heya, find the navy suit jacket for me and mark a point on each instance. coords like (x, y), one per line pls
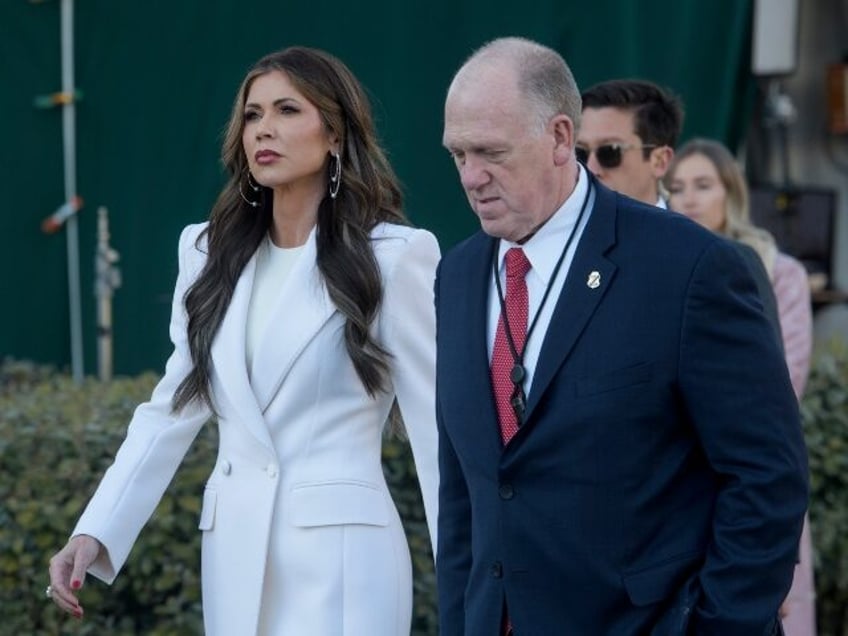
(659, 479)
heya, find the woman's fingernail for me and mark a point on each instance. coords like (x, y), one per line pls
(76, 584)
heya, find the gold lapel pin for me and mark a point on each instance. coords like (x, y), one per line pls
(594, 280)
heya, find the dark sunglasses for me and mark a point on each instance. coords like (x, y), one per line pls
(608, 155)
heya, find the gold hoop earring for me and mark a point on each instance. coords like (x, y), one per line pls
(335, 176)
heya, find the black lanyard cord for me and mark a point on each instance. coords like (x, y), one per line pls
(518, 373)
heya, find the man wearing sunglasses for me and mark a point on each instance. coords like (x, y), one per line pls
(627, 136)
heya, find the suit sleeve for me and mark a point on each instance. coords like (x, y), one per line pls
(156, 442)
(736, 389)
(411, 339)
(453, 565)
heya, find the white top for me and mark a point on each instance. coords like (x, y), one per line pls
(543, 251)
(273, 265)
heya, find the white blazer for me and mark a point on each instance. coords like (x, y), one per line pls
(300, 535)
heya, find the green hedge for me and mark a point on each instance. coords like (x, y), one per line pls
(56, 439)
(825, 413)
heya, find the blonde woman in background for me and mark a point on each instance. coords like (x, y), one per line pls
(706, 184)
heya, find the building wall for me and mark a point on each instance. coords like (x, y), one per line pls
(817, 157)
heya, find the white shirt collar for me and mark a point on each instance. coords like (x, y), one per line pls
(543, 249)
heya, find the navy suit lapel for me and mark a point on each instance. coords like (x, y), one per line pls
(467, 313)
(580, 296)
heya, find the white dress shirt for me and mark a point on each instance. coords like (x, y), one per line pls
(543, 250)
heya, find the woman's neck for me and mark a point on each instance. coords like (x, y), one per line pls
(295, 214)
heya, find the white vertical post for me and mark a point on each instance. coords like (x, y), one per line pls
(108, 279)
(69, 156)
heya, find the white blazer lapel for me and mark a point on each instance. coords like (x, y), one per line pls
(302, 308)
(230, 358)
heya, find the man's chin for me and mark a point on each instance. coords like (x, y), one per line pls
(490, 226)
(497, 228)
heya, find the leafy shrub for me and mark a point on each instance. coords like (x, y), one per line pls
(825, 415)
(56, 440)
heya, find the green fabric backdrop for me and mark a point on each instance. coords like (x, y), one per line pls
(159, 78)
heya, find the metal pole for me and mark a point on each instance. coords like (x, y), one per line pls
(69, 155)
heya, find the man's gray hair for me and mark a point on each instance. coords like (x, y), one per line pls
(544, 78)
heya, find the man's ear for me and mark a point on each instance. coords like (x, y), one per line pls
(563, 132)
(661, 160)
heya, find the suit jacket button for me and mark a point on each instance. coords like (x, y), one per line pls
(226, 467)
(505, 491)
(272, 471)
(497, 570)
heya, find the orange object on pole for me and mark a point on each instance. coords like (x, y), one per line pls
(65, 211)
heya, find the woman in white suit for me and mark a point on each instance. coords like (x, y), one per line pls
(303, 312)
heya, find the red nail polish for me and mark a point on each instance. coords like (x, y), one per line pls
(76, 584)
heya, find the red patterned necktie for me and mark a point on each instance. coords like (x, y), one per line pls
(503, 361)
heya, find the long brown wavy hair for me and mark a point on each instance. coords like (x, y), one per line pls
(369, 194)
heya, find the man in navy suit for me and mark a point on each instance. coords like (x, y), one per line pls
(631, 462)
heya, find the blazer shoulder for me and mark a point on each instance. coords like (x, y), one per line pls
(390, 240)
(192, 249)
(468, 251)
(668, 231)
(190, 234)
(397, 232)
(790, 267)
